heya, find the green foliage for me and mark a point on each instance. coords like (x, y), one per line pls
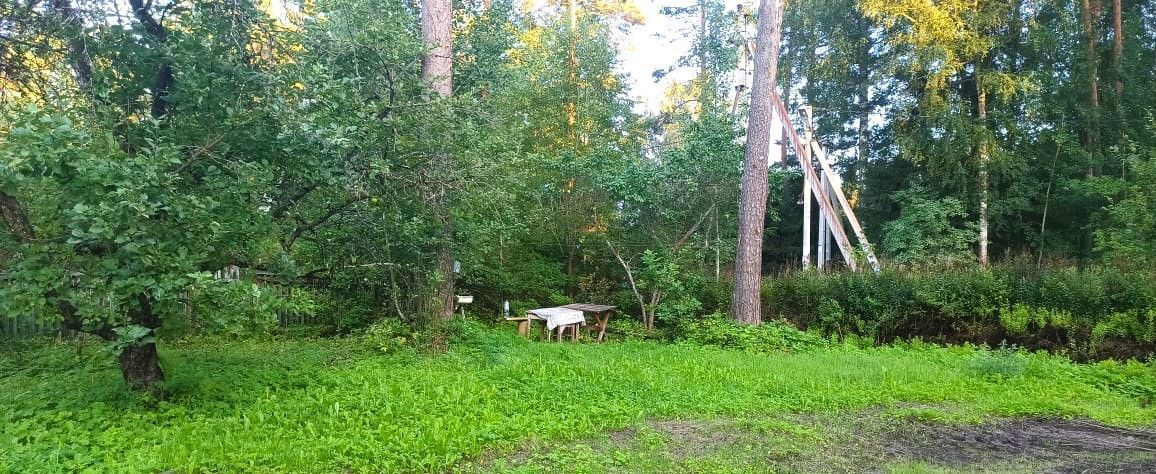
(1020, 319)
(927, 230)
(116, 216)
(236, 404)
(1132, 325)
(1126, 234)
(1055, 308)
(243, 308)
(633, 330)
(1001, 364)
(770, 337)
(389, 336)
(833, 320)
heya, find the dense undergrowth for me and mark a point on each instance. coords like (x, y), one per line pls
(340, 405)
(1093, 313)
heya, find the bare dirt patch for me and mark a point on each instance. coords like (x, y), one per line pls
(1036, 444)
(692, 438)
(874, 440)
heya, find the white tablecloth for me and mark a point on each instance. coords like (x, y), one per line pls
(559, 316)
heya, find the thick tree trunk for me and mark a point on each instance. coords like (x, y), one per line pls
(981, 101)
(141, 369)
(703, 73)
(437, 62)
(138, 363)
(571, 276)
(745, 306)
(437, 71)
(164, 81)
(572, 64)
(15, 218)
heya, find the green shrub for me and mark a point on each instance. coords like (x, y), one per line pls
(1069, 309)
(243, 307)
(1138, 326)
(673, 311)
(772, 336)
(927, 231)
(833, 320)
(1000, 364)
(389, 336)
(633, 330)
(346, 313)
(1020, 319)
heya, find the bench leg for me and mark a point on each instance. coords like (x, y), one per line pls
(524, 328)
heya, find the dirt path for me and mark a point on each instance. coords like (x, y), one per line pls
(871, 441)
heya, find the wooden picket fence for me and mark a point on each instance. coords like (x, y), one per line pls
(20, 328)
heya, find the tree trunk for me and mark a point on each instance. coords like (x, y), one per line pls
(863, 76)
(981, 102)
(437, 62)
(164, 81)
(78, 54)
(703, 73)
(445, 294)
(141, 369)
(1117, 49)
(1090, 13)
(572, 64)
(745, 306)
(15, 218)
(437, 71)
(571, 277)
(138, 362)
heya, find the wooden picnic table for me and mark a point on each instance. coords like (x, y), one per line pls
(600, 312)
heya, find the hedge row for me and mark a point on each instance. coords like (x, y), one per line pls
(1086, 313)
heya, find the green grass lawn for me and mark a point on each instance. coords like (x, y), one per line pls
(320, 405)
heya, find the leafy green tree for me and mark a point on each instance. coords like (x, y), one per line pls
(928, 231)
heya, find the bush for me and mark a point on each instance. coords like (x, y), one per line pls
(243, 307)
(633, 330)
(346, 312)
(771, 336)
(1000, 364)
(1075, 311)
(389, 336)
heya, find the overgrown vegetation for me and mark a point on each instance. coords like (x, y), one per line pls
(335, 405)
(145, 149)
(1095, 312)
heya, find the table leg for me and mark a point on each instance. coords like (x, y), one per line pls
(524, 328)
(603, 321)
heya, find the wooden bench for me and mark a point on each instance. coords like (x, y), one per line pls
(525, 323)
